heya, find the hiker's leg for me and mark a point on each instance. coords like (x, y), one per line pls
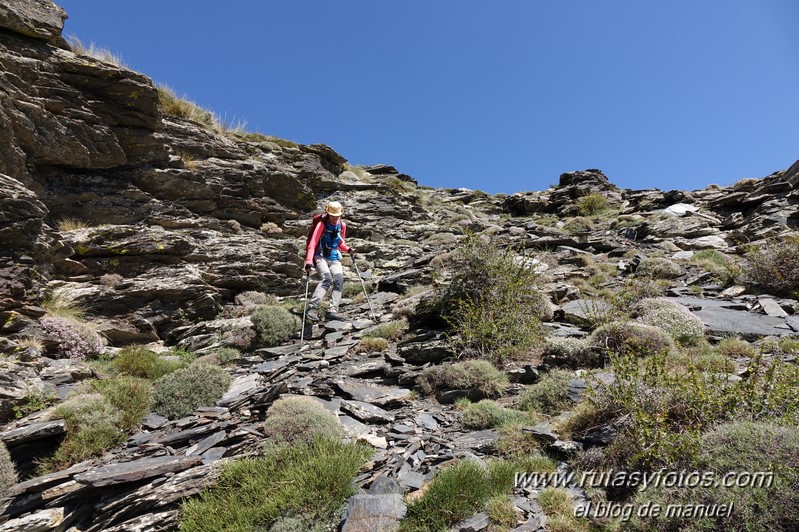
(337, 271)
(321, 288)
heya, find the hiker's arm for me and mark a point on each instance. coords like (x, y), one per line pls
(317, 234)
(343, 245)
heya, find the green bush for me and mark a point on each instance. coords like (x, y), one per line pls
(742, 446)
(8, 473)
(577, 352)
(631, 338)
(456, 493)
(550, 395)
(138, 361)
(493, 302)
(93, 426)
(774, 267)
(673, 318)
(180, 393)
(487, 414)
(477, 375)
(275, 324)
(658, 268)
(292, 419)
(309, 479)
(735, 348)
(591, 204)
(133, 396)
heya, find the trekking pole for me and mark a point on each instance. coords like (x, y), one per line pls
(372, 314)
(305, 308)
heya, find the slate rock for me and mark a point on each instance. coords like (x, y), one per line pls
(365, 511)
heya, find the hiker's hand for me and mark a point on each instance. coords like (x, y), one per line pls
(352, 252)
(308, 268)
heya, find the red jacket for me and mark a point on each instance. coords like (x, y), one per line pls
(317, 235)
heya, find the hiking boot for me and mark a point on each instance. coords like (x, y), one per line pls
(332, 315)
(311, 314)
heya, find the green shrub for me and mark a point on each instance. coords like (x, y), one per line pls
(631, 338)
(138, 361)
(487, 414)
(477, 375)
(392, 330)
(372, 345)
(8, 473)
(181, 107)
(577, 352)
(180, 393)
(724, 270)
(456, 493)
(133, 396)
(774, 267)
(578, 224)
(634, 290)
(673, 318)
(591, 204)
(292, 419)
(741, 446)
(658, 268)
(93, 426)
(493, 303)
(550, 395)
(735, 348)
(221, 356)
(309, 479)
(275, 324)
(556, 501)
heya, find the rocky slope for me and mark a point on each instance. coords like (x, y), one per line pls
(155, 224)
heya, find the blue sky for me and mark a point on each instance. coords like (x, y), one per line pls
(500, 96)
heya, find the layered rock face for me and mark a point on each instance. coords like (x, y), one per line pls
(156, 225)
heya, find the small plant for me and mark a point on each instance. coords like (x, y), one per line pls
(723, 268)
(8, 473)
(111, 279)
(138, 361)
(372, 345)
(72, 224)
(35, 401)
(308, 479)
(181, 107)
(59, 305)
(774, 267)
(293, 419)
(94, 51)
(673, 318)
(735, 348)
(390, 331)
(658, 268)
(487, 414)
(274, 324)
(479, 376)
(456, 493)
(132, 396)
(550, 395)
(591, 204)
(633, 338)
(75, 339)
(180, 393)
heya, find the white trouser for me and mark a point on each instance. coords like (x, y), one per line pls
(332, 273)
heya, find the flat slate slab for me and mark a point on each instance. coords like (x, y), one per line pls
(365, 511)
(372, 393)
(729, 317)
(137, 470)
(33, 432)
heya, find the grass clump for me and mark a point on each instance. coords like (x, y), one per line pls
(550, 395)
(772, 503)
(59, 305)
(293, 419)
(724, 269)
(309, 479)
(8, 473)
(493, 303)
(478, 376)
(487, 414)
(275, 324)
(658, 268)
(673, 318)
(132, 396)
(591, 204)
(457, 492)
(181, 107)
(181, 392)
(72, 224)
(735, 348)
(138, 361)
(372, 345)
(631, 338)
(774, 267)
(94, 51)
(392, 330)
(93, 425)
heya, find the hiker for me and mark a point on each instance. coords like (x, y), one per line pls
(323, 250)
